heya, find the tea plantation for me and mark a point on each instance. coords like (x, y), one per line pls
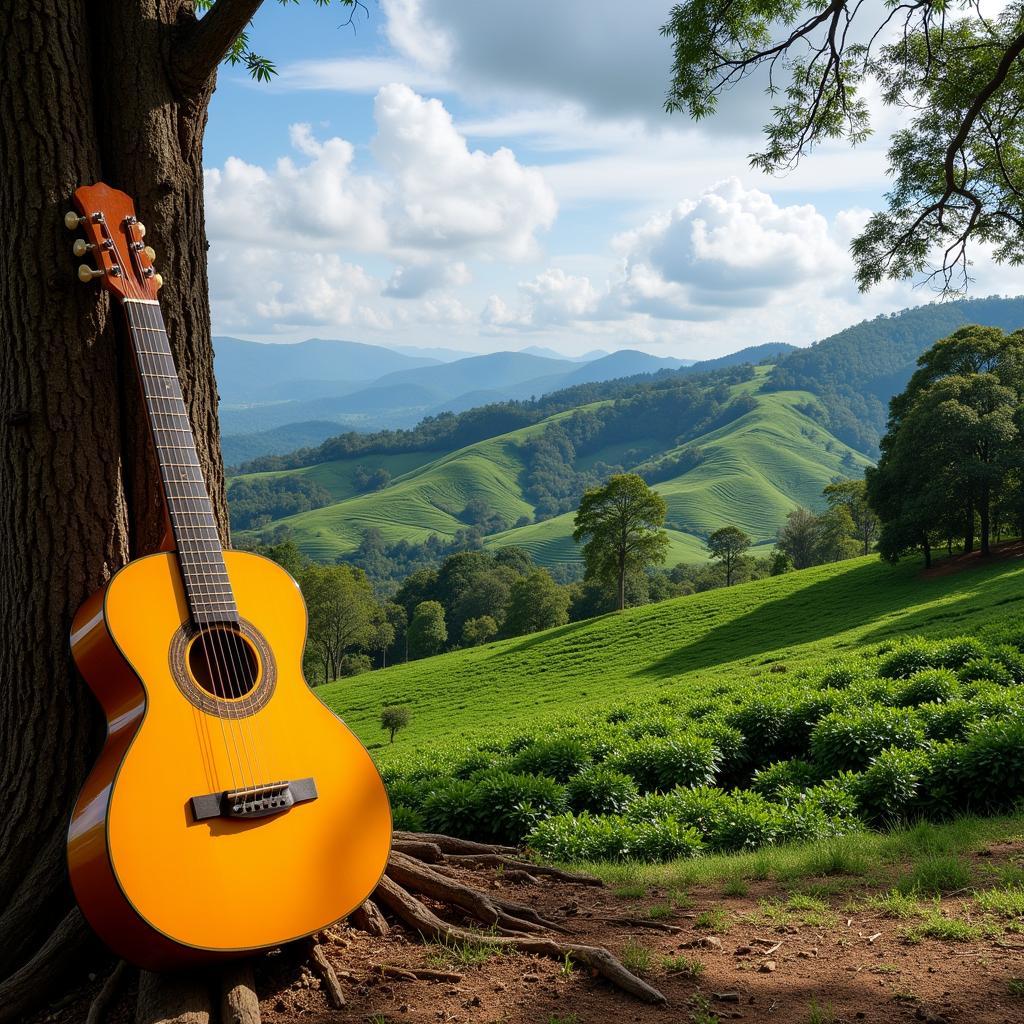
(794, 708)
(915, 728)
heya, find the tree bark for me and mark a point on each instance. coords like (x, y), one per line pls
(984, 513)
(84, 95)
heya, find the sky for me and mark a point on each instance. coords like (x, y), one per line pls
(486, 177)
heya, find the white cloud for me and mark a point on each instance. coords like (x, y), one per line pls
(262, 289)
(357, 75)
(731, 247)
(430, 193)
(447, 197)
(415, 280)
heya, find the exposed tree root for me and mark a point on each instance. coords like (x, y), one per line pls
(239, 1003)
(325, 969)
(183, 998)
(368, 918)
(417, 916)
(450, 844)
(106, 994)
(502, 860)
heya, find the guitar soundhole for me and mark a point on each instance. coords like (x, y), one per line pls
(223, 663)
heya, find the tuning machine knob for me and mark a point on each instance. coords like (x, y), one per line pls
(141, 228)
(158, 280)
(81, 247)
(72, 220)
(150, 253)
(87, 274)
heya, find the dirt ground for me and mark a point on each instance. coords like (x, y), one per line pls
(819, 957)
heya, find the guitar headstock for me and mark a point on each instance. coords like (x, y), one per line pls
(114, 239)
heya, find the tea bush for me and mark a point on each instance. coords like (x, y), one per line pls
(847, 741)
(655, 763)
(600, 789)
(915, 728)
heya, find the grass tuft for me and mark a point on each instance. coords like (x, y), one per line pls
(937, 873)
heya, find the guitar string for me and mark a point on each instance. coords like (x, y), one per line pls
(138, 353)
(235, 670)
(226, 678)
(148, 368)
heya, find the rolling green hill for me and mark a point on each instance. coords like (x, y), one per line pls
(725, 636)
(754, 470)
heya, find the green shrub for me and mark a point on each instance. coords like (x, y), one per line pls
(1012, 660)
(785, 775)
(771, 728)
(410, 794)
(931, 686)
(407, 819)
(473, 761)
(840, 674)
(836, 798)
(948, 721)
(568, 837)
(449, 808)
(560, 758)
(661, 764)
(732, 750)
(601, 790)
(986, 669)
(907, 657)
(506, 806)
(890, 789)
(847, 741)
(958, 650)
(991, 764)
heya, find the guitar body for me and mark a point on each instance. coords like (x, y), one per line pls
(165, 881)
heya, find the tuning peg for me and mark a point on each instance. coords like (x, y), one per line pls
(158, 280)
(87, 274)
(72, 220)
(141, 228)
(81, 247)
(150, 253)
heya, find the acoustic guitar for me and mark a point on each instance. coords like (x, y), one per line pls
(229, 810)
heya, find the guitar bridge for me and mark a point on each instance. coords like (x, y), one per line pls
(253, 801)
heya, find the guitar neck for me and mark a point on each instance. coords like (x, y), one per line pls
(193, 524)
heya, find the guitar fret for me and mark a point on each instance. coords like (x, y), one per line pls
(200, 555)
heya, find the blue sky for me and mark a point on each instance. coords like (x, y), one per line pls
(488, 177)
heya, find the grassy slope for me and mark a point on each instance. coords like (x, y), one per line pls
(796, 619)
(755, 470)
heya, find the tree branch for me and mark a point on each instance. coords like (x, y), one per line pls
(207, 41)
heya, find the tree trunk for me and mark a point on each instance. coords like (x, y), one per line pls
(622, 581)
(926, 547)
(969, 528)
(85, 94)
(985, 514)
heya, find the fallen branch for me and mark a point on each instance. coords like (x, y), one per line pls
(416, 973)
(327, 975)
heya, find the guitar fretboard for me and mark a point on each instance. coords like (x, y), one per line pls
(199, 550)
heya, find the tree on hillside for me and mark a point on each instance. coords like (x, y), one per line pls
(955, 74)
(621, 525)
(343, 614)
(728, 546)
(427, 631)
(952, 455)
(798, 538)
(393, 718)
(853, 496)
(478, 631)
(536, 602)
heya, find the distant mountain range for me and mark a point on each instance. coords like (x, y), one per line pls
(726, 441)
(272, 394)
